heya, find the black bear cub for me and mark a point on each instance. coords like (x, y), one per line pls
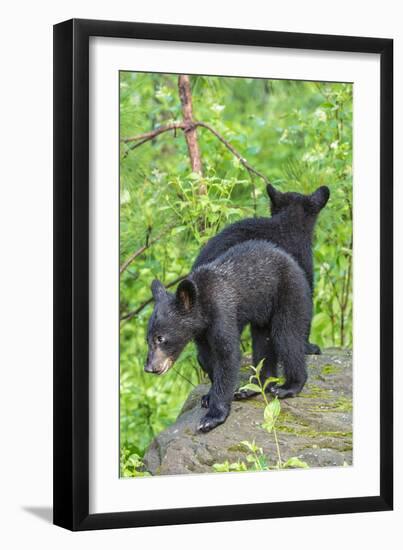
(290, 227)
(253, 282)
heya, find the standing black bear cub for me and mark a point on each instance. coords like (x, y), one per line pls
(253, 282)
(290, 227)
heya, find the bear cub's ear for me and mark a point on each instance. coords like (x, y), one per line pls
(319, 198)
(158, 290)
(186, 294)
(274, 195)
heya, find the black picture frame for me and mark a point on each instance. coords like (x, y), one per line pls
(71, 274)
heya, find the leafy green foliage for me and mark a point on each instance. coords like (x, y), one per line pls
(131, 465)
(297, 133)
(295, 462)
(230, 467)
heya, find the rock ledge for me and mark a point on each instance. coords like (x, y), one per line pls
(315, 426)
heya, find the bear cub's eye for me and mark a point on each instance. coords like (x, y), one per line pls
(160, 339)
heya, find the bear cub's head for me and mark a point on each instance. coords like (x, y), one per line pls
(172, 324)
(311, 204)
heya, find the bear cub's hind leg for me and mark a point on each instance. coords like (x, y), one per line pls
(291, 354)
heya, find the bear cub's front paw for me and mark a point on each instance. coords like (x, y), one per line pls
(213, 418)
(244, 394)
(208, 423)
(282, 392)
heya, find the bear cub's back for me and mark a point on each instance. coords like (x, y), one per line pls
(253, 273)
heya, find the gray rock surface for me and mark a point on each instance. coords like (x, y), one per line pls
(316, 426)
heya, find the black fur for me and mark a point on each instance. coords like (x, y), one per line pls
(253, 282)
(290, 227)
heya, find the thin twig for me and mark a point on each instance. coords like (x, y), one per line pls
(154, 133)
(348, 281)
(148, 136)
(230, 147)
(131, 258)
(345, 295)
(131, 314)
(184, 377)
(143, 248)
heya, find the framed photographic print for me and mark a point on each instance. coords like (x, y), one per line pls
(223, 320)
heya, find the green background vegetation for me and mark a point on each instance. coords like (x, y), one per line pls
(299, 134)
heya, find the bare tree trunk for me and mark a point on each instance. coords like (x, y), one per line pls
(185, 95)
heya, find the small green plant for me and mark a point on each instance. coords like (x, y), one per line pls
(230, 467)
(131, 465)
(256, 458)
(271, 413)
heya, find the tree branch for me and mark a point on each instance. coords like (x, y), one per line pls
(131, 314)
(131, 258)
(154, 133)
(143, 248)
(185, 95)
(148, 136)
(231, 148)
(143, 138)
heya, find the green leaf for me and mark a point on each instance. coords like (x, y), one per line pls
(263, 462)
(224, 467)
(251, 387)
(295, 462)
(237, 467)
(271, 412)
(259, 367)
